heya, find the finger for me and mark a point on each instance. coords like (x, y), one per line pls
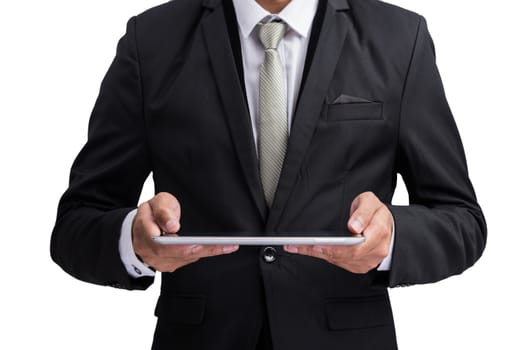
(171, 265)
(181, 252)
(293, 249)
(299, 249)
(318, 250)
(337, 253)
(166, 211)
(215, 250)
(349, 259)
(362, 210)
(354, 265)
(172, 259)
(312, 251)
(195, 251)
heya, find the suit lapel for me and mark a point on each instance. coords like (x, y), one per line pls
(324, 60)
(231, 94)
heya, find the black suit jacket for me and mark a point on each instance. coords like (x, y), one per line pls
(371, 106)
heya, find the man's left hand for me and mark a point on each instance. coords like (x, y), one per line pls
(368, 217)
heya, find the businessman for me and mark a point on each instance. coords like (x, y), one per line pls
(271, 116)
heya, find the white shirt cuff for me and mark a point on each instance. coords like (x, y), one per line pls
(386, 263)
(134, 267)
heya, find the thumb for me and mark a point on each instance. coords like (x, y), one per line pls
(166, 212)
(362, 210)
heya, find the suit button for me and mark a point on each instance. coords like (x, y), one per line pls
(270, 254)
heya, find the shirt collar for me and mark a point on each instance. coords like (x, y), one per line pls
(298, 15)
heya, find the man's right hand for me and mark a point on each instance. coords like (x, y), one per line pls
(161, 215)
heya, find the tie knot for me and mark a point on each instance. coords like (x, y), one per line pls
(271, 34)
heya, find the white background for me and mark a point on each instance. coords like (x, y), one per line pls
(53, 55)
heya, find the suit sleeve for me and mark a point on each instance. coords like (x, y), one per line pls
(442, 232)
(106, 178)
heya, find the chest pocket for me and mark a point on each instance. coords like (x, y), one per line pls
(355, 111)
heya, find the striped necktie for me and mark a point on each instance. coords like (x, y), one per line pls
(273, 121)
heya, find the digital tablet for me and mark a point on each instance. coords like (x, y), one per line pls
(258, 240)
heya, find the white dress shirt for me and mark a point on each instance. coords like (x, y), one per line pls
(298, 15)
